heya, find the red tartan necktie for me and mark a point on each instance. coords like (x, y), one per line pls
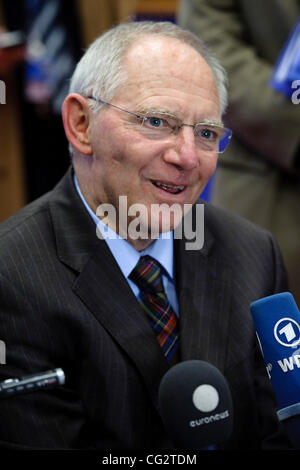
(148, 277)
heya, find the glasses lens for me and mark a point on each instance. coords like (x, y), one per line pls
(208, 136)
(158, 126)
(224, 141)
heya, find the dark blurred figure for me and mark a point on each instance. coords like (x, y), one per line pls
(58, 37)
(57, 31)
(259, 175)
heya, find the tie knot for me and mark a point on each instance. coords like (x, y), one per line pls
(147, 275)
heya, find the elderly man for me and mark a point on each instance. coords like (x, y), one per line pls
(90, 288)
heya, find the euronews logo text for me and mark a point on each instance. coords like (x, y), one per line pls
(209, 419)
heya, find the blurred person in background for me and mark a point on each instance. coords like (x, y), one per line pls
(259, 175)
(12, 188)
(34, 152)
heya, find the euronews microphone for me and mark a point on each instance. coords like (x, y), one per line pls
(196, 405)
(277, 323)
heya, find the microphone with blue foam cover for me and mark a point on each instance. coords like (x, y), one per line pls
(277, 323)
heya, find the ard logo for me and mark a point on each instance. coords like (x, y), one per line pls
(2, 92)
(287, 332)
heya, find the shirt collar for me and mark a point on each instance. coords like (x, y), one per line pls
(124, 253)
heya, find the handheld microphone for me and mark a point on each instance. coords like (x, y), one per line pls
(277, 322)
(196, 405)
(31, 383)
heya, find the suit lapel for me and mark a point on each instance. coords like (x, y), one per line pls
(204, 290)
(104, 290)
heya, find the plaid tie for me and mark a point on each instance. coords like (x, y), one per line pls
(148, 277)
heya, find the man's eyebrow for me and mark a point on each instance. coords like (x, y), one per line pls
(156, 110)
(213, 122)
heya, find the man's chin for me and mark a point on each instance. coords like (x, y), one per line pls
(153, 228)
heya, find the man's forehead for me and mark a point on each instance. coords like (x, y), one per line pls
(158, 58)
(160, 68)
(162, 50)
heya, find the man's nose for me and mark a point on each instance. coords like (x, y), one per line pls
(184, 153)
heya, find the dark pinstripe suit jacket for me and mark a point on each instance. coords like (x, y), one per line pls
(64, 303)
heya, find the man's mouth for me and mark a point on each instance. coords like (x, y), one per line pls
(169, 188)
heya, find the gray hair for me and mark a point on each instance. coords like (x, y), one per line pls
(100, 72)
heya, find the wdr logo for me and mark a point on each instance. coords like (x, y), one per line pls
(287, 332)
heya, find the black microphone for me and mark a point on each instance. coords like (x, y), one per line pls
(196, 405)
(31, 383)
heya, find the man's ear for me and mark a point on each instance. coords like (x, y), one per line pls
(75, 114)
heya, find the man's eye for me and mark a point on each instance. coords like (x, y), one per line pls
(207, 134)
(155, 122)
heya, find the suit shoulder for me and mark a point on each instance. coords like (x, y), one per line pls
(244, 244)
(28, 222)
(231, 223)
(236, 236)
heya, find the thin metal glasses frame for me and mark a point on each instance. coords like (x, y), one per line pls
(223, 142)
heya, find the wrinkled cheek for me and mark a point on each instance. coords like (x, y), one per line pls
(208, 168)
(205, 173)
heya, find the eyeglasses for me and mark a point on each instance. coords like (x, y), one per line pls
(209, 136)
